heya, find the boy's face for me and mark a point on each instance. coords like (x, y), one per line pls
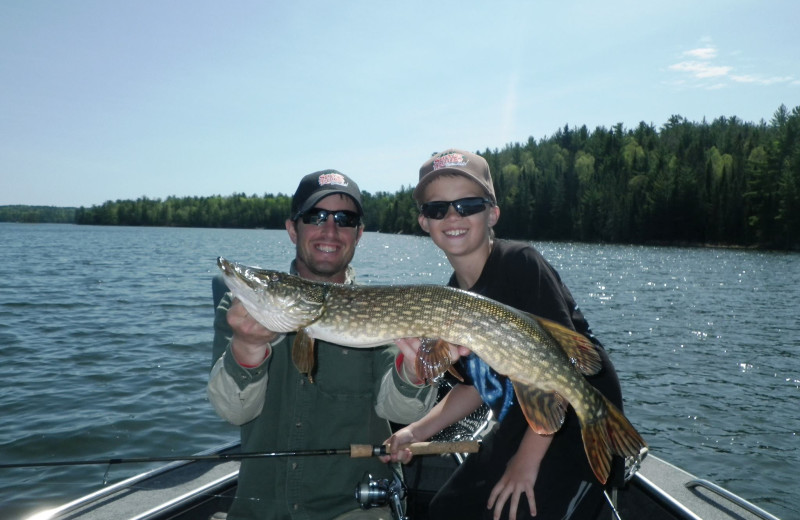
(455, 234)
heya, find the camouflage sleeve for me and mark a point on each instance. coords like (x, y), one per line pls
(235, 392)
(222, 331)
(399, 400)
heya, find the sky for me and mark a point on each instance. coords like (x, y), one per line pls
(110, 100)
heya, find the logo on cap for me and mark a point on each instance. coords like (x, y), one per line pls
(448, 161)
(332, 178)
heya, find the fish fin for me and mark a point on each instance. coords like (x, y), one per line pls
(611, 434)
(453, 372)
(580, 350)
(544, 411)
(304, 354)
(433, 358)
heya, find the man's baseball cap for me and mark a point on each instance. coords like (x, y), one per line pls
(318, 185)
(455, 162)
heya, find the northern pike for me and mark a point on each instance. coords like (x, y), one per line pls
(545, 361)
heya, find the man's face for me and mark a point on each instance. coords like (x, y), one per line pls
(324, 251)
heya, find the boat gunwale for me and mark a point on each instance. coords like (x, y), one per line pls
(122, 485)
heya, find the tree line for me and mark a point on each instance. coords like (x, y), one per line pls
(727, 182)
(234, 211)
(37, 214)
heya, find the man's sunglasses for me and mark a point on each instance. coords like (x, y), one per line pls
(464, 207)
(343, 218)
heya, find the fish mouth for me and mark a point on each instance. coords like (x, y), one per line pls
(234, 273)
(231, 269)
(224, 266)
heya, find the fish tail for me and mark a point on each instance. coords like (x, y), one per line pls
(610, 435)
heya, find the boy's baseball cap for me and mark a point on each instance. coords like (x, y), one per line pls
(455, 162)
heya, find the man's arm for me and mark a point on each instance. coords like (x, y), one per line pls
(236, 393)
(402, 398)
(235, 388)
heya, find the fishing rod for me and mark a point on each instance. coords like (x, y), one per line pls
(355, 451)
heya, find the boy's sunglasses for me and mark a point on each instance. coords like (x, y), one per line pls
(343, 218)
(464, 207)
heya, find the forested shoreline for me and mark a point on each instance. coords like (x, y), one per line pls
(727, 182)
(37, 214)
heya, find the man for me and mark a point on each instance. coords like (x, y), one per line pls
(354, 391)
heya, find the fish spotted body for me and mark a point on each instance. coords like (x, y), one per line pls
(546, 362)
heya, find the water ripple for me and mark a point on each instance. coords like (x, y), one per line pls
(106, 348)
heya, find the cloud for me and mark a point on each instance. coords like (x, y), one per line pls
(701, 69)
(704, 53)
(762, 81)
(510, 106)
(700, 65)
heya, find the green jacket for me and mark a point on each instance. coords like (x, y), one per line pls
(338, 409)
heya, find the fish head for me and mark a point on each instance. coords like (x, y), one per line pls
(278, 301)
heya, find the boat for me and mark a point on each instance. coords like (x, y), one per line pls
(197, 489)
(205, 484)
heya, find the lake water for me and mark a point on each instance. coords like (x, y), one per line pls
(105, 339)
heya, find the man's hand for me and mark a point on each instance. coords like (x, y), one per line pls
(408, 347)
(251, 340)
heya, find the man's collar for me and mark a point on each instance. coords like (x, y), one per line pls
(349, 273)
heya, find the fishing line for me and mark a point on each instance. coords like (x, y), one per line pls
(611, 504)
(355, 451)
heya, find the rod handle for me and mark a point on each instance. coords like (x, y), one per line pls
(417, 448)
(438, 448)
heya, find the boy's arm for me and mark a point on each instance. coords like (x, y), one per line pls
(459, 402)
(520, 475)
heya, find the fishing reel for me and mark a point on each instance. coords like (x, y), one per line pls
(371, 492)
